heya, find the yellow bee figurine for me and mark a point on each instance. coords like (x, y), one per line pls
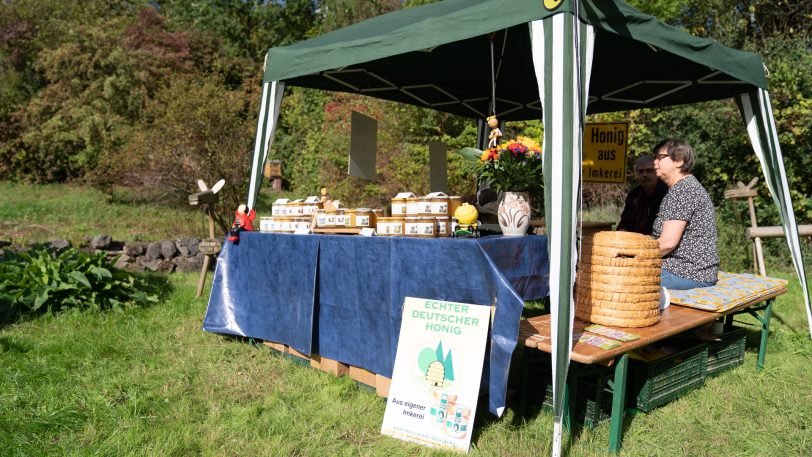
(466, 223)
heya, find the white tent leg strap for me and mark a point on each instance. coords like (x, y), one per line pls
(272, 94)
(558, 433)
(554, 41)
(758, 117)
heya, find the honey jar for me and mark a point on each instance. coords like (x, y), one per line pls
(420, 226)
(412, 206)
(294, 209)
(338, 217)
(302, 223)
(363, 218)
(443, 226)
(439, 206)
(390, 226)
(321, 218)
(398, 206)
(279, 209)
(309, 208)
(454, 202)
(424, 206)
(265, 223)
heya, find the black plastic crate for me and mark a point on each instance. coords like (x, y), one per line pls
(595, 406)
(593, 401)
(659, 381)
(727, 353)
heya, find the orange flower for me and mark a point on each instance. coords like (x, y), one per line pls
(489, 155)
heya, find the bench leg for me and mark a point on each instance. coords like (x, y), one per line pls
(765, 331)
(618, 403)
(570, 393)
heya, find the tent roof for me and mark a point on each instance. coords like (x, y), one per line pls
(438, 56)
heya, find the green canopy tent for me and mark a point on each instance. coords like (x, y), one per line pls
(556, 58)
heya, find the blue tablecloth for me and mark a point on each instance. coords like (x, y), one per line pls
(342, 296)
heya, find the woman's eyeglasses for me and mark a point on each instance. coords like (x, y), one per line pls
(661, 156)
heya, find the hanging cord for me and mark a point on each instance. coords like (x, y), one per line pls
(493, 78)
(501, 53)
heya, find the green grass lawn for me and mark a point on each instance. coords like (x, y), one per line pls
(150, 382)
(39, 213)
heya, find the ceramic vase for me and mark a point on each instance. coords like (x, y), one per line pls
(514, 213)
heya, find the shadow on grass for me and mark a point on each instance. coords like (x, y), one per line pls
(535, 308)
(255, 342)
(9, 345)
(589, 407)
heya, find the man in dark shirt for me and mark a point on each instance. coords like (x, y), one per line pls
(643, 202)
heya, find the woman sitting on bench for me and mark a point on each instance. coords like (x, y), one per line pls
(686, 224)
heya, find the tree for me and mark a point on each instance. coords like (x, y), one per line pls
(335, 14)
(249, 27)
(96, 86)
(206, 133)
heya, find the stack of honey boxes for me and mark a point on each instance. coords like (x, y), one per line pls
(290, 215)
(424, 217)
(345, 218)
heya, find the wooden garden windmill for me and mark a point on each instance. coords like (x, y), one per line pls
(211, 246)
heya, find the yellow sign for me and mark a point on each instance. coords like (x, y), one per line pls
(605, 152)
(552, 4)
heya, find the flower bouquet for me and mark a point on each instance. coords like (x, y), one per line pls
(513, 168)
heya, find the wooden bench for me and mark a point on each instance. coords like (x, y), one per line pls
(735, 294)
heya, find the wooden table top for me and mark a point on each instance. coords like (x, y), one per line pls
(535, 332)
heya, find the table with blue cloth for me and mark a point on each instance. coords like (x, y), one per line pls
(342, 296)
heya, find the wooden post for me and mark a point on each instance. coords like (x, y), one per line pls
(742, 191)
(207, 258)
(273, 172)
(775, 231)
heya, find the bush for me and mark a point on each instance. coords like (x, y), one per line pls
(207, 133)
(44, 280)
(735, 251)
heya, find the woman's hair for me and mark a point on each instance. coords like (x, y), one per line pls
(677, 150)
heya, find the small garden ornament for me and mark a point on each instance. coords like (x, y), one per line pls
(209, 247)
(495, 134)
(243, 221)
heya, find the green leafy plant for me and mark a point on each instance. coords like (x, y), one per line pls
(41, 279)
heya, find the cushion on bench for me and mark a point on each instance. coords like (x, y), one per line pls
(732, 290)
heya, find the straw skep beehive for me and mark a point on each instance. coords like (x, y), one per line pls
(618, 280)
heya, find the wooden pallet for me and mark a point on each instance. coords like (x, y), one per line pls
(336, 368)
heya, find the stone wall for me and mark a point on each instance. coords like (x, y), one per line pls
(165, 256)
